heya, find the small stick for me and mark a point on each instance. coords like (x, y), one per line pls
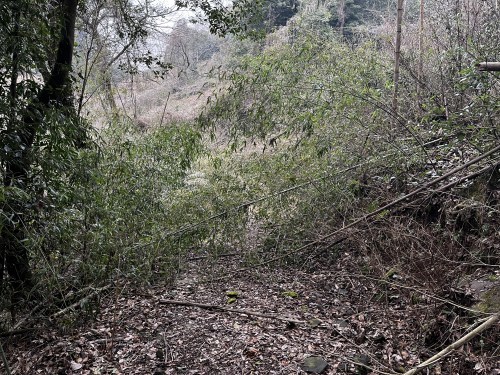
(226, 309)
(108, 339)
(164, 109)
(215, 256)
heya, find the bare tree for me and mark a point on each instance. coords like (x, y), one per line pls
(111, 30)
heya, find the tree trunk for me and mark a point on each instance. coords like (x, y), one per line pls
(56, 92)
(420, 83)
(14, 74)
(341, 15)
(397, 56)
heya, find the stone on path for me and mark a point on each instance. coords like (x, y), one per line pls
(315, 322)
(315, 365)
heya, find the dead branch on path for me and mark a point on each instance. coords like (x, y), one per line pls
(457, 344)
(226, 309)
(201, 257)
(18, 332)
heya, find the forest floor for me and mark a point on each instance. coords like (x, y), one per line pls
(343, 317)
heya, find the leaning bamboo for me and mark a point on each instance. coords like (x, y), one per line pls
(489, 66)
(457, 344)
(378, 211)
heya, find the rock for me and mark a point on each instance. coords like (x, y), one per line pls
(315, 322)
(490, 300)
(160, 356)
(341, 323)
(363, 361)
(314, 365)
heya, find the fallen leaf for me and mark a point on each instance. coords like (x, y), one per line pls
(75, 366)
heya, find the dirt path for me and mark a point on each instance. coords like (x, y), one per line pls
(346, 319)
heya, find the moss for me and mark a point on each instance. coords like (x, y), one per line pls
(290, 293)
(490, 301)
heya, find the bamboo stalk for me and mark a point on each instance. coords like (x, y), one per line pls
(4, 359)
(488, 66)
(457, 344)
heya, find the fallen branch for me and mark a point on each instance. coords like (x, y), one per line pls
(457, 344)
(215, 256)
(18, 332)
(227, 309)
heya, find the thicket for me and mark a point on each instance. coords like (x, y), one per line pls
(319, 146)
(313, 145)
(52, 241)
